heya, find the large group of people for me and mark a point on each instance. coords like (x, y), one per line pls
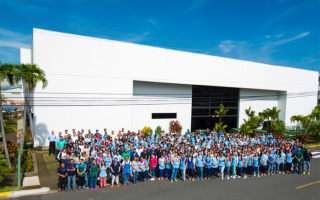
(93, 158)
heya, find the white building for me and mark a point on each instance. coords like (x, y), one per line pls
(98, 83)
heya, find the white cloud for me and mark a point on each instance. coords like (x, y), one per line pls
(229, 45)
(14, 39)
(268, 36)
(279, 35)
(283, 41)
(138, 39)
(152, 22)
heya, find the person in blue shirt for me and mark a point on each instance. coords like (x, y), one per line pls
(115, 170)
(52, 143)
(62, 173)
(271, 162)
(71, 168)
(220, 133)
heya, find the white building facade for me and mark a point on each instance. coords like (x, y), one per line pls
(97, 83)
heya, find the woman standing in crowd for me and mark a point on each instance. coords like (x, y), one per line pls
(271, 161)
(146, 168)
(81, 174)
(234, 162)
(183, 166)
(168, 166)
(222, 161)
(175, 167)
(153, 165)
(289, 159)
(93, 175)
(263, 163)
(161, 162)
(103, 175)
(142, 165)
(207, 166)
(115, 170)
(200, 165)
(191, 167)
(135, 170)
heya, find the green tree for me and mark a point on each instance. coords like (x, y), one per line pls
(278, 126)
(250, 113)
(221, 112)
(8, 126)
(273, 113)
(265, 115)
(246, 129)
(220, 126)
(31, 75)
(315, 129)
(315, 114)
(6, 74)
(158, 130)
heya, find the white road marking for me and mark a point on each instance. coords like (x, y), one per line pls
(317, 156)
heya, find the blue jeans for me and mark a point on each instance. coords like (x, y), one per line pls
(227, 170)
(135, 177)
(213, 171)
(174, 173)
(256, 170)
(93, 182)
(306, 164)
(146, 175)
(277, 168)
(125, 177)
(200, 172)
(271, 168)
(221, 168)
(153, 172)
(207, 172)
(87, 178)
(108, 172)
(295, 167)
(168, 173)
(161, 173)
(239, 171)
(72, 181)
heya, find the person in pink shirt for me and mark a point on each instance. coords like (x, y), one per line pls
(153, 164)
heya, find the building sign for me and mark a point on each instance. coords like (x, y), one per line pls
(20, 135)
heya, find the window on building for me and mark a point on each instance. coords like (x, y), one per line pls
(164, 115)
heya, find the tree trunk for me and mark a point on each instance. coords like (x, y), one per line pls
(219, 118)
(3, 132)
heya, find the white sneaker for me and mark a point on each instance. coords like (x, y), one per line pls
(258, 175)
(239, 176)
(233, 177)
(152, 179)
(254, 174)
(228, 177)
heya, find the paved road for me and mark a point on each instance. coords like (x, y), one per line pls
(269, 187)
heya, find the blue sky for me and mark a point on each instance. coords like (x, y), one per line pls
(277, 32)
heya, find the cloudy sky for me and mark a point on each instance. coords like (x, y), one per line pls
(277, 32)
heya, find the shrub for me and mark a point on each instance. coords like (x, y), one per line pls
(158, 130)
(12, 150)
(175, 126)
(28, 159)
(146, 130)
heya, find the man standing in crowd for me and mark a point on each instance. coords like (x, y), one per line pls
(52, 143)
(298, 156)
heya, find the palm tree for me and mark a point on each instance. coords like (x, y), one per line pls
(6, 73)
(265, 115)
(221, 111)
(273, 113)
(8, 128)
(316, 113)
(220, 126)
(250, 113)
(315, 129)
(31, 75)
(245, 128)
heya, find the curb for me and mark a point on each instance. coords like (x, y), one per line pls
(27, 192)
(5, 194)
(314, 146)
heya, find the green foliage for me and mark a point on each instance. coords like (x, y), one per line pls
(3, 98)
(220, 126)
(273, 113)
(175, 126)
(250, 113)
(12, 150)
(26, 155)
(278, 126)
(246, 129)
(158, 130)
(146, 130)
(9, 126)
(315, 129)
(221, 112)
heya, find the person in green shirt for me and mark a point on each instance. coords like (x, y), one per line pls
(82, 167)
(59, 145)
(303, 150)
(125, 154)
(298, 156)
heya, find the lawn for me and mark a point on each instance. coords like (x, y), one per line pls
(8, 189)
(51, 162)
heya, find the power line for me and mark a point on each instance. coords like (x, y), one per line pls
(125, 34)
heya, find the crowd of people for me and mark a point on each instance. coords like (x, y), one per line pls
(93, 158)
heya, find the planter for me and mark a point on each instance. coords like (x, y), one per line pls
(25, 174)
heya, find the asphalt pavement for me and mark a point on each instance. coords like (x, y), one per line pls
(269, 187)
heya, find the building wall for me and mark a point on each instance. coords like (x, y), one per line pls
(79, 64)
(161, 98)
